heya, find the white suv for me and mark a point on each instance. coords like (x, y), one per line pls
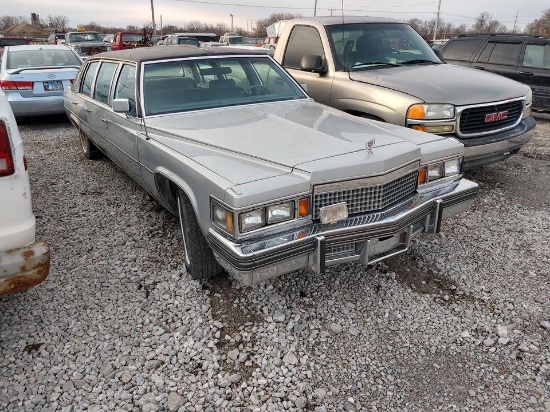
(23, 262)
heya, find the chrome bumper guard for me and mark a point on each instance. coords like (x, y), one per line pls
(366, 238)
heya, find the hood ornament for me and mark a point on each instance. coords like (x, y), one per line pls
(370, 144)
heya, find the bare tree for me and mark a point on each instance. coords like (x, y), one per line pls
(262, 24)
(57, 22)
(485, 24)
(8, 21)
(540, 26)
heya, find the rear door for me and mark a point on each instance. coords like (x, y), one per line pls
(500, 56)
(461, 51)
(534, 70)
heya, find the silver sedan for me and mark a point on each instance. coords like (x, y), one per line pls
(33, 77)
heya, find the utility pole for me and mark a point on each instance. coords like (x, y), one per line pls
(437, 19)
(515, 21)
(161, 24)
(231, 22)
(153, 17)
(314, 9)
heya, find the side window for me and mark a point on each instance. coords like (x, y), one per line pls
(461, 49)
(103, 82)
(505, 53)
(88, 79)
(303, 40)
(537, 55)
(126, 87)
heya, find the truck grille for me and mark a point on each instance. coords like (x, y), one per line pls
(368, 194)
(483, 119)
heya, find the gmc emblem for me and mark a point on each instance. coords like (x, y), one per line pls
(494, 117)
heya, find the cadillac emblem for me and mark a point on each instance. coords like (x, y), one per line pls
(370, 144)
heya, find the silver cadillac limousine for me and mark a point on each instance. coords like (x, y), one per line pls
(264, 180)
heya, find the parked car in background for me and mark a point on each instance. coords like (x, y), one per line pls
(23, 261)
(129, 40)
(33, 77)
(178, 40)
(56, 38)
(263, 179)
(86, 43)
(520, 57)
(382, 69)
(13, 41)
(109, 38)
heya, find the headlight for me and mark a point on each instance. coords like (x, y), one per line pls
(439, 170)
(252, 219)
(431, 111)
(280, 213)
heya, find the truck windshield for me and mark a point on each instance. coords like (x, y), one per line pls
(357, 45)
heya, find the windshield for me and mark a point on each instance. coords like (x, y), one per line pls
(188, 40)
(196, 84)
(236, 40)
(41, 58)
(84, 37)
(132, 37)
(376, 44)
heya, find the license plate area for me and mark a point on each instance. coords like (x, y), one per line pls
(53, 85)
(333, 213)
(381, 248)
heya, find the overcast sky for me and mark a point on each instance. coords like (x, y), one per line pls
(246, 12)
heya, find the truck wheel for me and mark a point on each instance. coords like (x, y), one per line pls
(89, 149)
(199, 258)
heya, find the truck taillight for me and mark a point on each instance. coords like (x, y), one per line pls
(15, 85)
(6, 158)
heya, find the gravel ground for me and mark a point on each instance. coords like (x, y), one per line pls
(461, 322)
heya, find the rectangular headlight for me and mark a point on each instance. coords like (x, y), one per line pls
(435, 171)
(252, 219)
(452, 167)
(280, 213)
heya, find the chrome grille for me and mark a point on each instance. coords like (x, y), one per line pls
(366, 195)
(473, 120)
(345, 248)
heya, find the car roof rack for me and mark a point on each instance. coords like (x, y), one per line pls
(502, 34)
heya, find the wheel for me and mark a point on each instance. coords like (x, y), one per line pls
(89, 149)
(261, 90)
(199, 258)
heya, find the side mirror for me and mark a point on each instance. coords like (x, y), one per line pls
(121, 105)
(313, 63)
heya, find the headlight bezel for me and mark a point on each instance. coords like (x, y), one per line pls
(430, 111)
(440, 171)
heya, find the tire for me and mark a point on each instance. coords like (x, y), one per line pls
(89, 149)
(199, 258)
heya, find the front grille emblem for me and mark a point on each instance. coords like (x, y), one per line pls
(495, 117)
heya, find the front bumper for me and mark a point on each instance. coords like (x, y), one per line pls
(480, 151)
(366, 238)
(23, 267)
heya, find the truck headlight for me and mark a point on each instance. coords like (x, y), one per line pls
(431, 111)
(438, 170)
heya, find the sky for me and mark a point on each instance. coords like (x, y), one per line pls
(245, 12)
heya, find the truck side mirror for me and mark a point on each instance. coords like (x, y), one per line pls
(313, 63)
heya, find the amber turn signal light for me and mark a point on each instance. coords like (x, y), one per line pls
(303, 207)
(422, 176)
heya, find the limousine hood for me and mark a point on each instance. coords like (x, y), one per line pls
(443, 83)
(279, 138)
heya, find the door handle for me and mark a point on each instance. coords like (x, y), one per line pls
(106, 120)
(87, 110)
(74, 102)
(527, 73)
(479, 67)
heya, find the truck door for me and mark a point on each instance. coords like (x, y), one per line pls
(534, 70)
(304, 40)
(500, 56)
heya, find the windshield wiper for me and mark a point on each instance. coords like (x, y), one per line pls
(419, 61)
(373, 63)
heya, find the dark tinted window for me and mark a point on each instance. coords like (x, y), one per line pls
(461, 49)
(103, 82)
(303, 40)
(505, 53)
(537, 55)
(88, 79)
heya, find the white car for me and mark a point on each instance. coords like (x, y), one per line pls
(23, 261)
